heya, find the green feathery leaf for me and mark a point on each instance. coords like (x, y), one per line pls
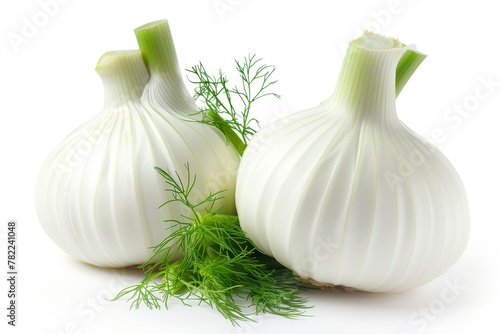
(218, 266)
(228, 109)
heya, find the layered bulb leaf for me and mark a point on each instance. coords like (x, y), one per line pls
(345, 193)
(98, 195)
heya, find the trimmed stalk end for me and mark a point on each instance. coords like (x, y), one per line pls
(114, 58)
(408, 63)
(157, 46)
(373, 41)
(152, 25)
(124, 75)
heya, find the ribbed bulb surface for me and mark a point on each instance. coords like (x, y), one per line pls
(346, 194)
(98, 195)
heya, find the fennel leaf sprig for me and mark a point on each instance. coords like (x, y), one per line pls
(228, 108)
(218, 264)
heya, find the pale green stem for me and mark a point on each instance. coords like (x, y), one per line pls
(375, 70)
(167, 86)
(157, 46)
(407, 65)
(124, 76)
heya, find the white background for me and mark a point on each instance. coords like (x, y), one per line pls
(49, 87)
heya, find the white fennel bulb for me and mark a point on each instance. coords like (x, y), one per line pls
(98, 194)
(345, 193)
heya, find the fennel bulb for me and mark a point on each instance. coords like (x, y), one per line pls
(98, 194)
(219, 266)
(345, 193)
